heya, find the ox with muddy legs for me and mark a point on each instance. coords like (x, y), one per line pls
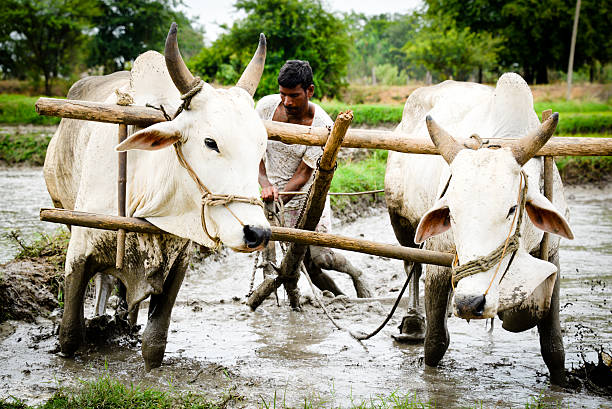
(484, 204)
(194, 177)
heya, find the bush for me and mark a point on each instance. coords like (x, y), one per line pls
(388, 74)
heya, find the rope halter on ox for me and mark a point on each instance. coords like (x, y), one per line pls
(208, 198)
(510, 245)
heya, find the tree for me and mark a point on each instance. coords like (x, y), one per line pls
(450, 52)
(295, 29)
(537, 34)
(127, 28)
(43, 36)
(378, 41)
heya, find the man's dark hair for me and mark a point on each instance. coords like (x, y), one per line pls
(294, 73)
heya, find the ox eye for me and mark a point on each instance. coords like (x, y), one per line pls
(211, 144)
(511, 211)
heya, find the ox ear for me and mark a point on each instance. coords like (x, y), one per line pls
(546, 217)
(157, 136)
(434, 222)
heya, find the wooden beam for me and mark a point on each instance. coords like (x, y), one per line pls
(137, 225)
(121, 195)
(549, 162)
(289, 271)
(314, 136)
(100, 112)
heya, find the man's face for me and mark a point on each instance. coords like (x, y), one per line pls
(295, 100)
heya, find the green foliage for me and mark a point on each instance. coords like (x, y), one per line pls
(537, 34)
(387, 74)
(294, 29)
(24, 148)
(127, 28)
(378, 40)
(19, 109)
(448, 51)
(44, 36)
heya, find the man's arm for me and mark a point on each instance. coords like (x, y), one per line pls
(300, 177)
(269, 192)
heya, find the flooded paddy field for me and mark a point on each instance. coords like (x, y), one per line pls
(217, 344)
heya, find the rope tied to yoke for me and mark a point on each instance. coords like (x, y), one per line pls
(510, 245)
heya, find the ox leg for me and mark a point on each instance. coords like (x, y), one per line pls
(413, 327)
(551, 340)
(325, 258)
(72, 329)
(318, 277)
(437, 292)
(104, 287)
(160, 309)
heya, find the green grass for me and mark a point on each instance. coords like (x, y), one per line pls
(358, 176)
(19, 109)
(578, 122)
(364, 114)
(27, 148)
(575, 117)
(572, 106)
(108, 393)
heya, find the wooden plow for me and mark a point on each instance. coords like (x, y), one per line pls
(299, 238)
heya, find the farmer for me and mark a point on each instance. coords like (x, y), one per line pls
(289, 168)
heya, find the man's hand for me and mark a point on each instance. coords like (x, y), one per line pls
(269, 193)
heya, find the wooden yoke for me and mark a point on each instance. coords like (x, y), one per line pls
(549, 162)
(289, 270)
(121, 193)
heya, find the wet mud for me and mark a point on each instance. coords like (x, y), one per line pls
(216, 344)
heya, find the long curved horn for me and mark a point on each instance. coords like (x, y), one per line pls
(530, 144)
(182, 78)
(252, 73)
(446, 144)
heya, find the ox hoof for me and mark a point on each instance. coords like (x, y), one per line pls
(412, 328)
(153, 357)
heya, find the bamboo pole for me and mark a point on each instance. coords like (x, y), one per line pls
(137, 225)
(289, 271)
(549, 162)
(313, 136)
(121, 193)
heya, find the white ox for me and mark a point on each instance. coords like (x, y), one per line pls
(469, 200)
(221, 138)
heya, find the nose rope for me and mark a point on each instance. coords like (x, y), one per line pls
(510, 245)
(209, 199)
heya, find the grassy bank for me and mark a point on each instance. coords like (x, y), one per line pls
(27, 149)
(19, 109)
(108, 393)
(575, 117)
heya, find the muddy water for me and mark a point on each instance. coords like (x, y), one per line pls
(216, 343)
(22, 194)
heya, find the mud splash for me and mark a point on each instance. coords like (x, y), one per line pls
(216, 343)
